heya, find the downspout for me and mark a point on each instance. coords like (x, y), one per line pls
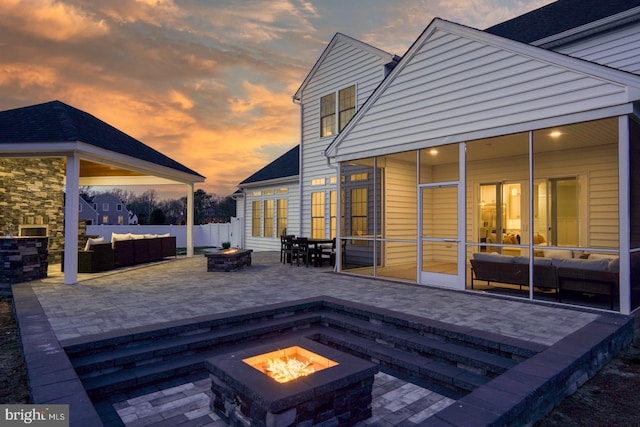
(297, 100)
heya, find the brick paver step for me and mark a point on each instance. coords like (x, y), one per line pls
(408, 362)
(168, 346)
(473, 357)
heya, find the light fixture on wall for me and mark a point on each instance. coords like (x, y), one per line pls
(433, 152)
(555, 134)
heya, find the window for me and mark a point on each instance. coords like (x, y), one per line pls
(328, 115)
(282, 205)
(120, 220)
(105, 219)
(333, 209)
(95, 206)
(359, 211)
(119, 207)
(346, 108)
(268, 218)
(317, 215)
(255, 219)
(268, 192)
(105, 207)
(317, 181)
(282, 190)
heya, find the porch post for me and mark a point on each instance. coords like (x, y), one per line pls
(71, 217)
(624, 213)
(190, 209)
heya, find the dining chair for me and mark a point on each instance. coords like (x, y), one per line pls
(286, 249)
(302, 251)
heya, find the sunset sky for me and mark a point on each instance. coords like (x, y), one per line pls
(206, 82)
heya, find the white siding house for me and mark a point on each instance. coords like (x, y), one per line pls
(479, 143)
(269, 203)
(345, 63)
(522, 139)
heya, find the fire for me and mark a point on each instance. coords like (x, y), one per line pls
(289, 364)
(287, 370)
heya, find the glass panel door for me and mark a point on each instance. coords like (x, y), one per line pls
(439, 241)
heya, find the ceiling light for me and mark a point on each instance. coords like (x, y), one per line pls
(555, 134)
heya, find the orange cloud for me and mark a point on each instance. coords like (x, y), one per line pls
(50, 19)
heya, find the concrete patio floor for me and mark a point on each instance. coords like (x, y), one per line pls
(182, 289)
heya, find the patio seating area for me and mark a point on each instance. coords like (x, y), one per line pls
(306, 251)
(144, 299)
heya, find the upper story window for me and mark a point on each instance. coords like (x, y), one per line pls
(118, 207)
(105, 207)
(336, 109)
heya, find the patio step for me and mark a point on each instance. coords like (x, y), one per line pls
(457, 359)
(409, 363)
(411, 341)
(182, 342)
(112, 368)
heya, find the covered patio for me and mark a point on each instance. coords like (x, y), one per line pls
(50, 150)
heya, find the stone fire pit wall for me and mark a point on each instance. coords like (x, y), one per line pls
(244, 396)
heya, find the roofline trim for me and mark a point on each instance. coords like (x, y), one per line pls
(93, 153)
(600, 25)
(339, 37)
(612, 76)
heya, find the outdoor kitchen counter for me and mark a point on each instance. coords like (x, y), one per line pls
(23, 259)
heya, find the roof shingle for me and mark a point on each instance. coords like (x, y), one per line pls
(56, 121)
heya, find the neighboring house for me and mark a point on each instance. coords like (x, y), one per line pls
(87, 213)
(522, 139)
(111, 210)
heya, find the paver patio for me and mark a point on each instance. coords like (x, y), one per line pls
(182, 289)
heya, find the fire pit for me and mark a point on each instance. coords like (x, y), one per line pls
(228, 259)
(292, 382)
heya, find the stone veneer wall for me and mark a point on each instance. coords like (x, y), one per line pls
(31, 192)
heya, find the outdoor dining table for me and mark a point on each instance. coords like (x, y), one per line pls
(316, 243)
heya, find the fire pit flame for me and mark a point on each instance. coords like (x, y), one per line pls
(285, 371)
(289, 364)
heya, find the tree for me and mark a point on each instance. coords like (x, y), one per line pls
(157, 217)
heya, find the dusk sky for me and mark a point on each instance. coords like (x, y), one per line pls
(206, 82)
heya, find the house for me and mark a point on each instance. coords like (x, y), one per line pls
(87, 212)
(339, 83)
(111, 210)
(522, 139)
(49, 150)
(270, 201)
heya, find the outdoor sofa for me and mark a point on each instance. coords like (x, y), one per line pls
(124, 250)
(560, 270)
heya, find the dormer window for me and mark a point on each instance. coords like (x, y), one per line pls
(344, 103)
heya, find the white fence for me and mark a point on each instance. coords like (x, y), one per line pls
(203, 235)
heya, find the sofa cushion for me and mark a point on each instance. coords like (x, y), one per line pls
(93, 241)
(557, 253)
(536, 260)
(493, 257)
(608, 257)
(581, 264)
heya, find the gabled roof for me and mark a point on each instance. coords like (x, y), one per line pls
(287, 165)
(559, 17)
(339, 37)
(617, 89)
(57, 122)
